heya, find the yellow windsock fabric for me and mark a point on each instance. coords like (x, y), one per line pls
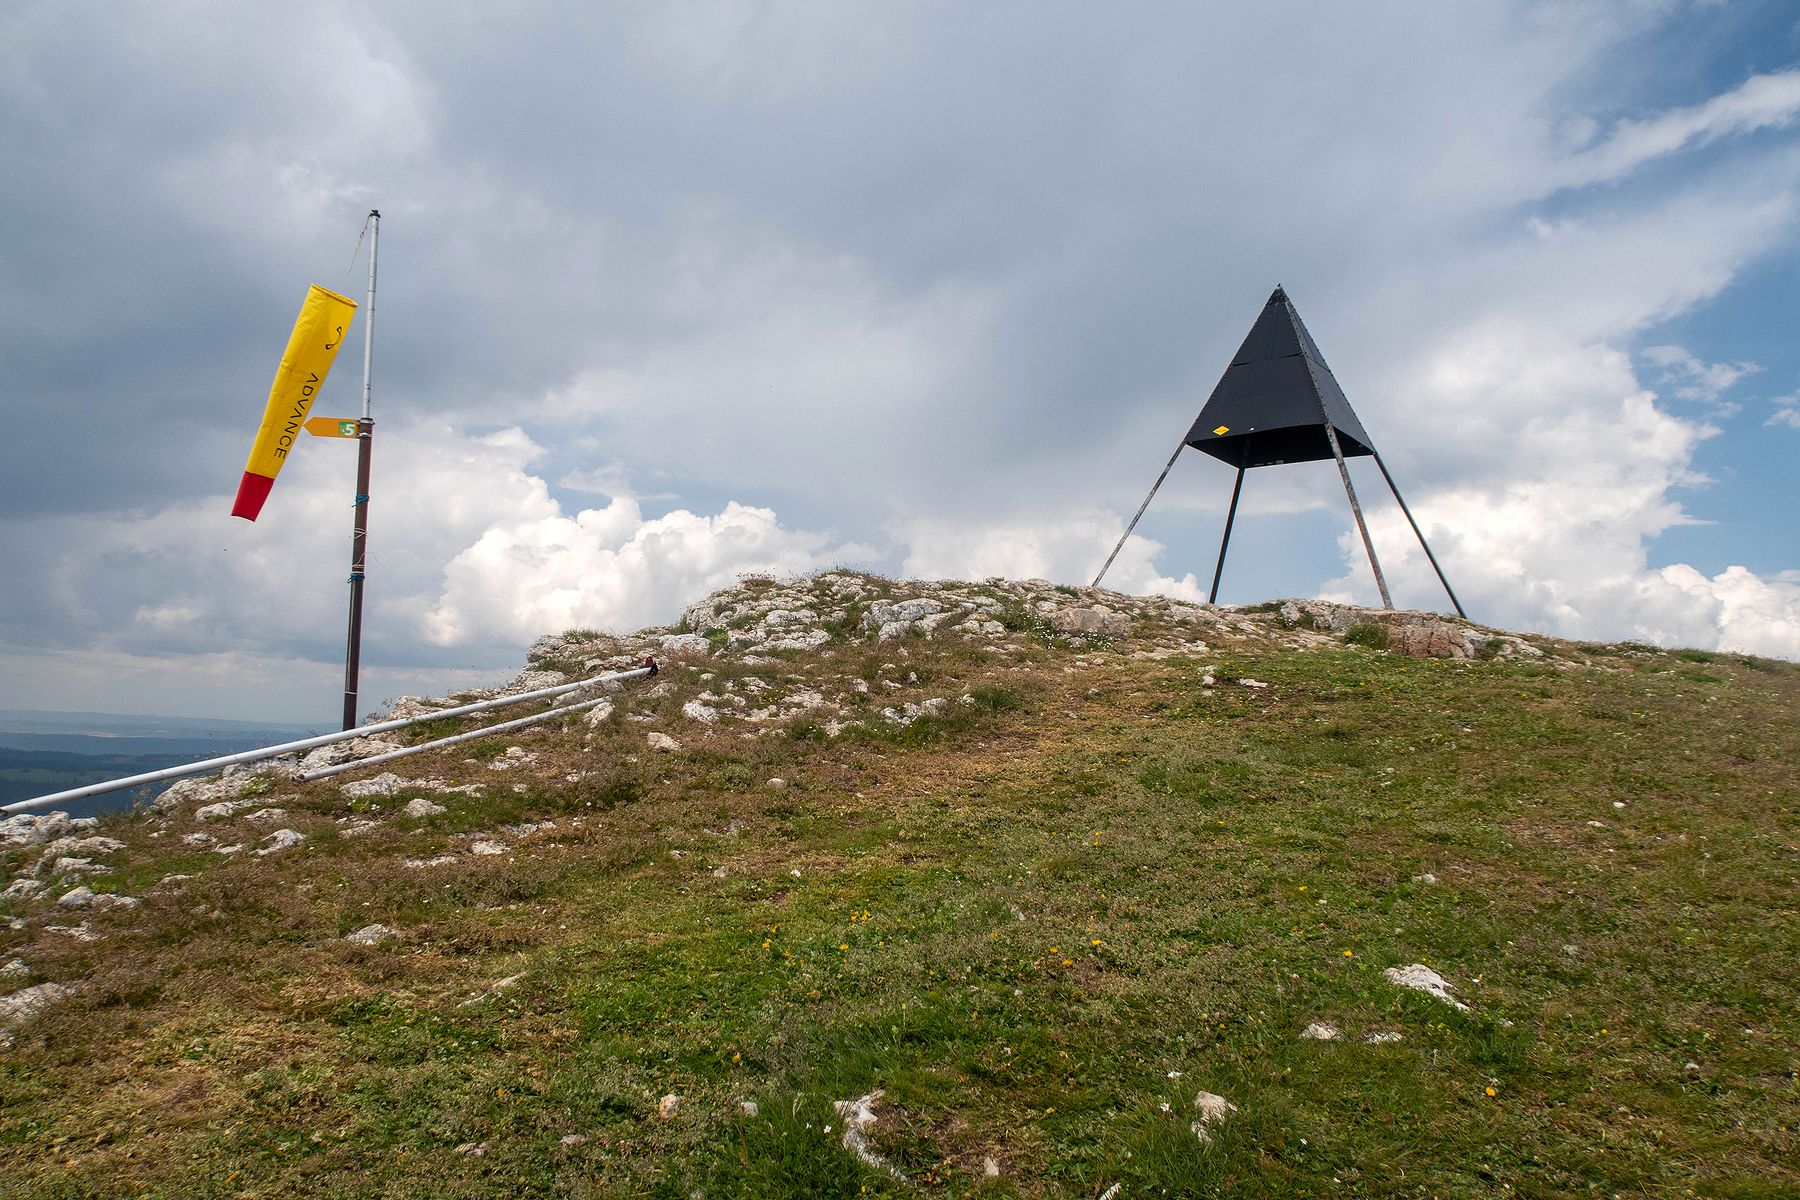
(312, 348)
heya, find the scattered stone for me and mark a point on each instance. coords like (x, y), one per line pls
(706, 714)
(778, 783)
(663, 743)
(198, 839)
(897, 620)
(263, 816)
(572, 1140)
(80, 933)
(421, 807)
(858, 1115)
(909, 713)
(371, 935)
(473, 1149)
(281, 839)
(205, 791)
(1422, 978)
(515, 756)
(990, 1166)
(69, 866)
(23, 889)
(86, 845)
(599, 714)
(1320, 1031)
(686, 645)
(442, 860)
(1091, 622)
(389, 784)
(1252, 683)
(21, 1006)
(339, 753)
(668, 1106)
(34, 829)
(1427, 877)
(747, 1107)
(487, 848)
(1212, 1110)
(14, 971)
(233, 849)
(1383, 1037)
(79, 897)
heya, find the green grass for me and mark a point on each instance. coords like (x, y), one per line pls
(1031, 922)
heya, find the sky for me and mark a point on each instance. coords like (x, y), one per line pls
(675, 292)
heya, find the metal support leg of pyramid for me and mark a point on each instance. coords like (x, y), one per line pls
(1279, 403)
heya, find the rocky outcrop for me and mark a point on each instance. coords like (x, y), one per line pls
(1404, 631)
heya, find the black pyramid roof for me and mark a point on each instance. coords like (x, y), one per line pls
(1269, 407)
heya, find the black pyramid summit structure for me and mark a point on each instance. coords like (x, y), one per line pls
(1279, 403)
(1266, 408)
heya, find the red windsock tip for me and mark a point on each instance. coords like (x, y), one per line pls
(253, 489)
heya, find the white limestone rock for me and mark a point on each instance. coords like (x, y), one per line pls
(896, 620)
(1210, 1109)
(1094, 622)
(223, 809)
(34, 829)
(371, 935)
(705, 714)
(281, 839)
(685, 645)
(1421, 978)
(22, 1005)
(338, 753)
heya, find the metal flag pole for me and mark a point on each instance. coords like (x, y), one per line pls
(359, 537)
(1179, 447)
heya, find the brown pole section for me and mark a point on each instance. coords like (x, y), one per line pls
(1230, 515)
(359, 542)
(1356, 509)
(1124, 537)
(1421, 536)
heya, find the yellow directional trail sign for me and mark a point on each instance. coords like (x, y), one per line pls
(331, 427)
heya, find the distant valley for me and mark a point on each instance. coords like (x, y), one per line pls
(42, 751)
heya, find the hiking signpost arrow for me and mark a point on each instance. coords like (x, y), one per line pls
(344, 427)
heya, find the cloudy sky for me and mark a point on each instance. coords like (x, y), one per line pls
(674, 292)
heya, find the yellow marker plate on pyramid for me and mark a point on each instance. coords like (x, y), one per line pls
(1222, 430)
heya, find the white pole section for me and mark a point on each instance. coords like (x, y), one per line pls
(324, 739)
(369, 316)
(453, 739)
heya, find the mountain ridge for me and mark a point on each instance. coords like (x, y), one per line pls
(964, 888)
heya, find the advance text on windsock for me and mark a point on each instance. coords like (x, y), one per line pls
(311, 349)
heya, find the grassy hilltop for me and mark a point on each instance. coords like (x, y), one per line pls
(954, 890)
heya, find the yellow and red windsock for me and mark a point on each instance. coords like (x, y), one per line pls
(311, 349)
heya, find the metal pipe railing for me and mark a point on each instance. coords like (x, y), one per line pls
(453, 739)
(325, 739)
